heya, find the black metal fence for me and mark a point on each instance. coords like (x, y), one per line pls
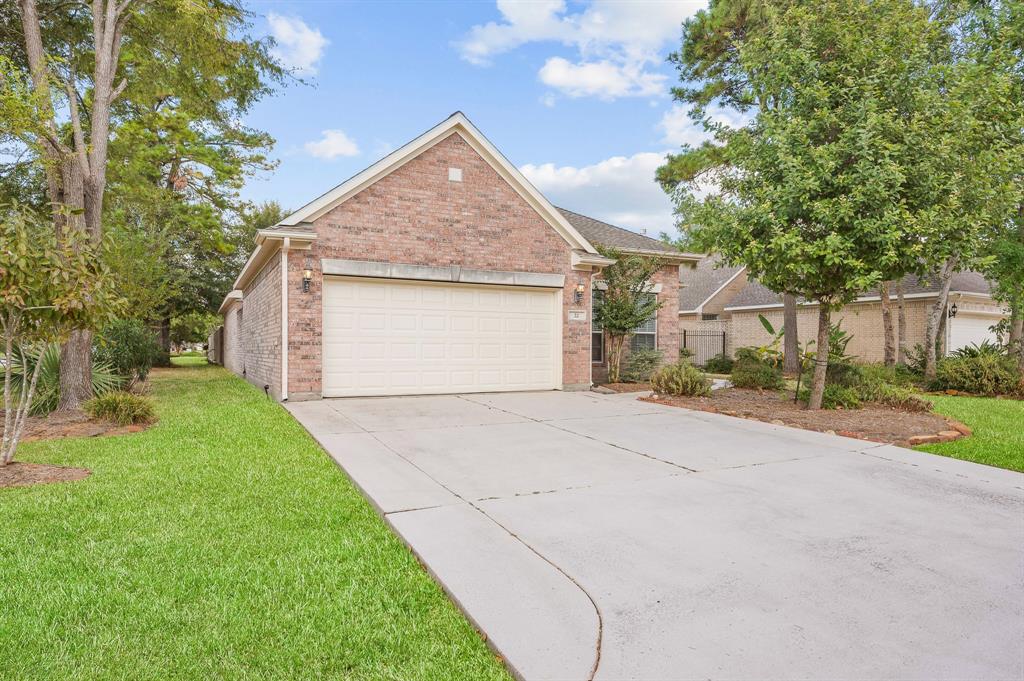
(703, 345)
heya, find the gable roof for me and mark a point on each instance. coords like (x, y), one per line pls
(699, 285)
(755, 294)
(456, 124)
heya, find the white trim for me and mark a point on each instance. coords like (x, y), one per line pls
(865, 299)
(300, 234)
(457, 123)
(582, 261)
(284, 318)
(449, 273)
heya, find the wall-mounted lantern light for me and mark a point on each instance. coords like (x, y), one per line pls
(307, 276)
(952, 310)
(577, 294)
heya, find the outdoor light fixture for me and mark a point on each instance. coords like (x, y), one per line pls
(577, 295)
(952, 310)
(307, 276)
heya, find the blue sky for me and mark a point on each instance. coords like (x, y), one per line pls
(573, 93)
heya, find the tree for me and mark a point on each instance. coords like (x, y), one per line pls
(813, 200)
(624, 304)
(49, 287)
(171, 78)
(714, 77)
(193, 327)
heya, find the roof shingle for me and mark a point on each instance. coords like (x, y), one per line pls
(698, 284)
(598, 232)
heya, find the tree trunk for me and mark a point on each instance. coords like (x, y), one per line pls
(890, 332)
(165, 342)
(616, 345)
(901, 324)
(791, 335)
(936, 317)
(75, 371)
(820, 357)
(1017, 335)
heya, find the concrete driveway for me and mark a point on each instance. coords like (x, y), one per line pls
(596, 536)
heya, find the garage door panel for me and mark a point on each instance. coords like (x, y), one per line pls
(966, 329)
(396, 338)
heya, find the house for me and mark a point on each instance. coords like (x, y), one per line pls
(716, 299)
(438, 269)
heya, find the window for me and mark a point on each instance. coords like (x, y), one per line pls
(645, 336)
(596, 332)
(708, 317)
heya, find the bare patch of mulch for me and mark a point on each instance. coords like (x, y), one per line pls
(627, 387)
(874, 422)
(20, 474)
(70, 424)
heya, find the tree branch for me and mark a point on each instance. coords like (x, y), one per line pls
(76, 125)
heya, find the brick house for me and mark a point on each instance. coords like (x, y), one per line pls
(438, 269)
(715, 299)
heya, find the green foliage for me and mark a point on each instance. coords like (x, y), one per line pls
(681, 378)
(47, 392)
(984, 374)
(129, 347)
(835, 397)
(625, 303)
(986, 347)
(122, 408)
(641, 364)
(685, 353)
(750, 370)
(902, 397)
(719, 364)
(194, 327)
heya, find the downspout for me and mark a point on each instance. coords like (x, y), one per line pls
(284, 319)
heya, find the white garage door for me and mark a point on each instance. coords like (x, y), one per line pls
(383, 337)
(966, 329)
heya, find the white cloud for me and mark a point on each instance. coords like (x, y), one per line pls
(618, 43)
(332, 144)
(620, 190)
(678, 128)
(298, 46)
(603, 79)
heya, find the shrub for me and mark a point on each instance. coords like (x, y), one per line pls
(123, 408)
(750, 371)
(681, 378)
(982, 374)
(719, 364)
(902, 397)
(835, 397)
(129, 347)
(987, 347)
(47, 395)
(685, 353)
(641, 365)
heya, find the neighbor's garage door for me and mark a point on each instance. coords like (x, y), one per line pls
(966, 329)
(384, 337)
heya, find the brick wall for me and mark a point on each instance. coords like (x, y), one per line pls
(416, 215)
(862, 320)
(258, 347)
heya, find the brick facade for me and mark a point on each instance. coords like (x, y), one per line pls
(259, 338)
(416, 215)
(231, 352)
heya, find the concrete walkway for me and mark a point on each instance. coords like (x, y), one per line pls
(595, 536)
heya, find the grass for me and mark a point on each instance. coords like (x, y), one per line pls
(221, 543)
(998, 438)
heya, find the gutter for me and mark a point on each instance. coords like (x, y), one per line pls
(866, 299)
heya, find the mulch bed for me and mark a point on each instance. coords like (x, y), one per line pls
(71, 424)
(874, 422)
(19, 474)
(627, 387)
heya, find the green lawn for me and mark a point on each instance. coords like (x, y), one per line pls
(998, 427)
(221, 543)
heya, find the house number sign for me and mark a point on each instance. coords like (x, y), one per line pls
(577, 315)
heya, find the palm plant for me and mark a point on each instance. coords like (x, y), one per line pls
(47, 394)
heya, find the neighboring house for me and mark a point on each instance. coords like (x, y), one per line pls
(712, 290)
(438, 269)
